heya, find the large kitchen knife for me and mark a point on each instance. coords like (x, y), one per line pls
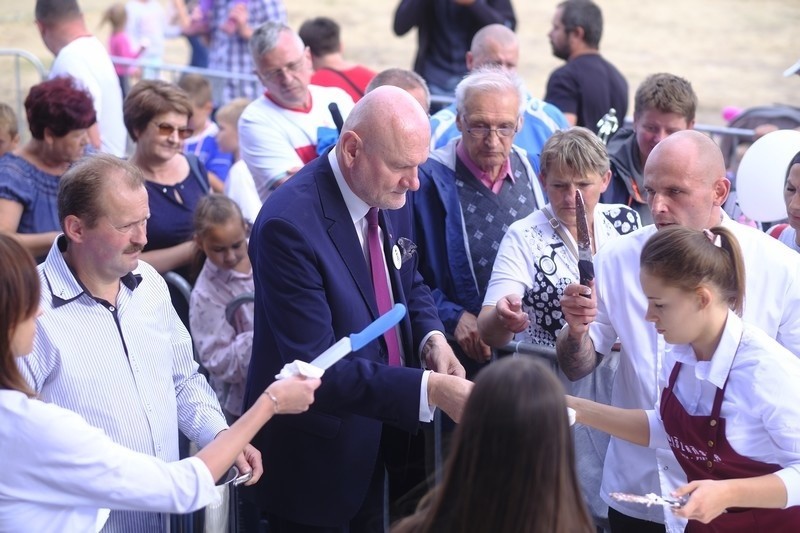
(344, 346)
(585, 265)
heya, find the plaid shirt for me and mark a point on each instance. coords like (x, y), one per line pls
(230, 53)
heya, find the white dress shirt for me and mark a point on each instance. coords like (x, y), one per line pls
(759, 424)
(127, 368)
(358, 211)
(58, 470)
(772, 303)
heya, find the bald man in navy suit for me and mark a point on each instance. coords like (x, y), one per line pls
(324, 470)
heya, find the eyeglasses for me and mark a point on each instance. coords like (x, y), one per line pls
(481, 132)
(166, 129)
(285, 71)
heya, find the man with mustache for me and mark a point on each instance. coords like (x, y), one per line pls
(280, 131)
(109, 345)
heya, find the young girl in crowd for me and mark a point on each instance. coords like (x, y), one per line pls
(730, 406)
(58, 470)
(224, 348)
(511, 465)
(119, 44)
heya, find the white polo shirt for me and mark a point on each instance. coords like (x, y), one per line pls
(772, 302)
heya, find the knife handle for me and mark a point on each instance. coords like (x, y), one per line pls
(586, 271)
(378, 327)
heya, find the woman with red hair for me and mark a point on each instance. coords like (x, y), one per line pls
(59, 116)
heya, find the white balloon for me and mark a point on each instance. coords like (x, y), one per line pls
(762, 174)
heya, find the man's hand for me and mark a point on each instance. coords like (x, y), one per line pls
(579, 305)
(250, 460)
(574, 347)
(440, 358)
(449, 393)
(469, 339)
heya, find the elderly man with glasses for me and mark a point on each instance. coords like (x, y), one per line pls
(281, 130)
(471, 190)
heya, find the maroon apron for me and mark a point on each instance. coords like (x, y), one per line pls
(703, 451)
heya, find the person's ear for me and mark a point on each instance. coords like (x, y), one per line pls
(74, 228)
(579, 33)
(605, 179)
(704, 297)
(470, 60)
(459, 123)
(350, 144)
(721, 189)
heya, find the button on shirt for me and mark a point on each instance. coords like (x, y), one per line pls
(759, 424)
(772, 303)
(126, 368)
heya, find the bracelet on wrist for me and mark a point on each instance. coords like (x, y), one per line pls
(274, 400)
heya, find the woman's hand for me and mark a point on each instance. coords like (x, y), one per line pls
(707, 499)
(293, 395)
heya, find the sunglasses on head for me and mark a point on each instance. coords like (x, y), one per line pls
(165, 129)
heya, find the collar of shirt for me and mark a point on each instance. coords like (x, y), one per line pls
(62, 282)
(355, 206)
(226, 275)
(717, 369)
(482, 176)
(302, 109)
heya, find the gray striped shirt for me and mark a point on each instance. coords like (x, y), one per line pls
(127, 368)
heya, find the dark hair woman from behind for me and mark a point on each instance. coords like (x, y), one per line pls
(511, 466)
(19, 303)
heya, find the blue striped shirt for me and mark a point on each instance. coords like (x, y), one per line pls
(127, 368)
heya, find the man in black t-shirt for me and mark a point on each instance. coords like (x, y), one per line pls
(588, 86)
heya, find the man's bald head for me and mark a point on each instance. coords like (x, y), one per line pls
(685, 182)
(383, 141)
(495, 45)
(697, 148)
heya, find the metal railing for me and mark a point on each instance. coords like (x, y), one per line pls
(21, 58)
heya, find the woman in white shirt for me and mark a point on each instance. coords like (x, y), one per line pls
(732, 418)
(58, 470)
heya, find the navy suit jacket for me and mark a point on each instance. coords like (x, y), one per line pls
(312, 287)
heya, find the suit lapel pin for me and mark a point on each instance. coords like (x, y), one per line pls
(397, 257)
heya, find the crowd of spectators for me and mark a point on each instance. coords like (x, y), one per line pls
(320, 196)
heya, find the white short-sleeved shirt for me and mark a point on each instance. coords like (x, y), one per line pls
(772, 303)
(58, 471)
(759, 424)
(534, 263)
(274, 139)
(241, 188)
(87, 60)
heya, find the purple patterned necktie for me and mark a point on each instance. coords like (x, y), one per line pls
(379, 283)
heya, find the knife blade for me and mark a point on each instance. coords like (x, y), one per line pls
(585, 264)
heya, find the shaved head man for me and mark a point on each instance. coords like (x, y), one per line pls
(329, 256)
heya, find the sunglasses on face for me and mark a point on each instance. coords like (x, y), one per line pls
(165, 129)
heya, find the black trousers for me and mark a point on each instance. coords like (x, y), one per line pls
(621, 523)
